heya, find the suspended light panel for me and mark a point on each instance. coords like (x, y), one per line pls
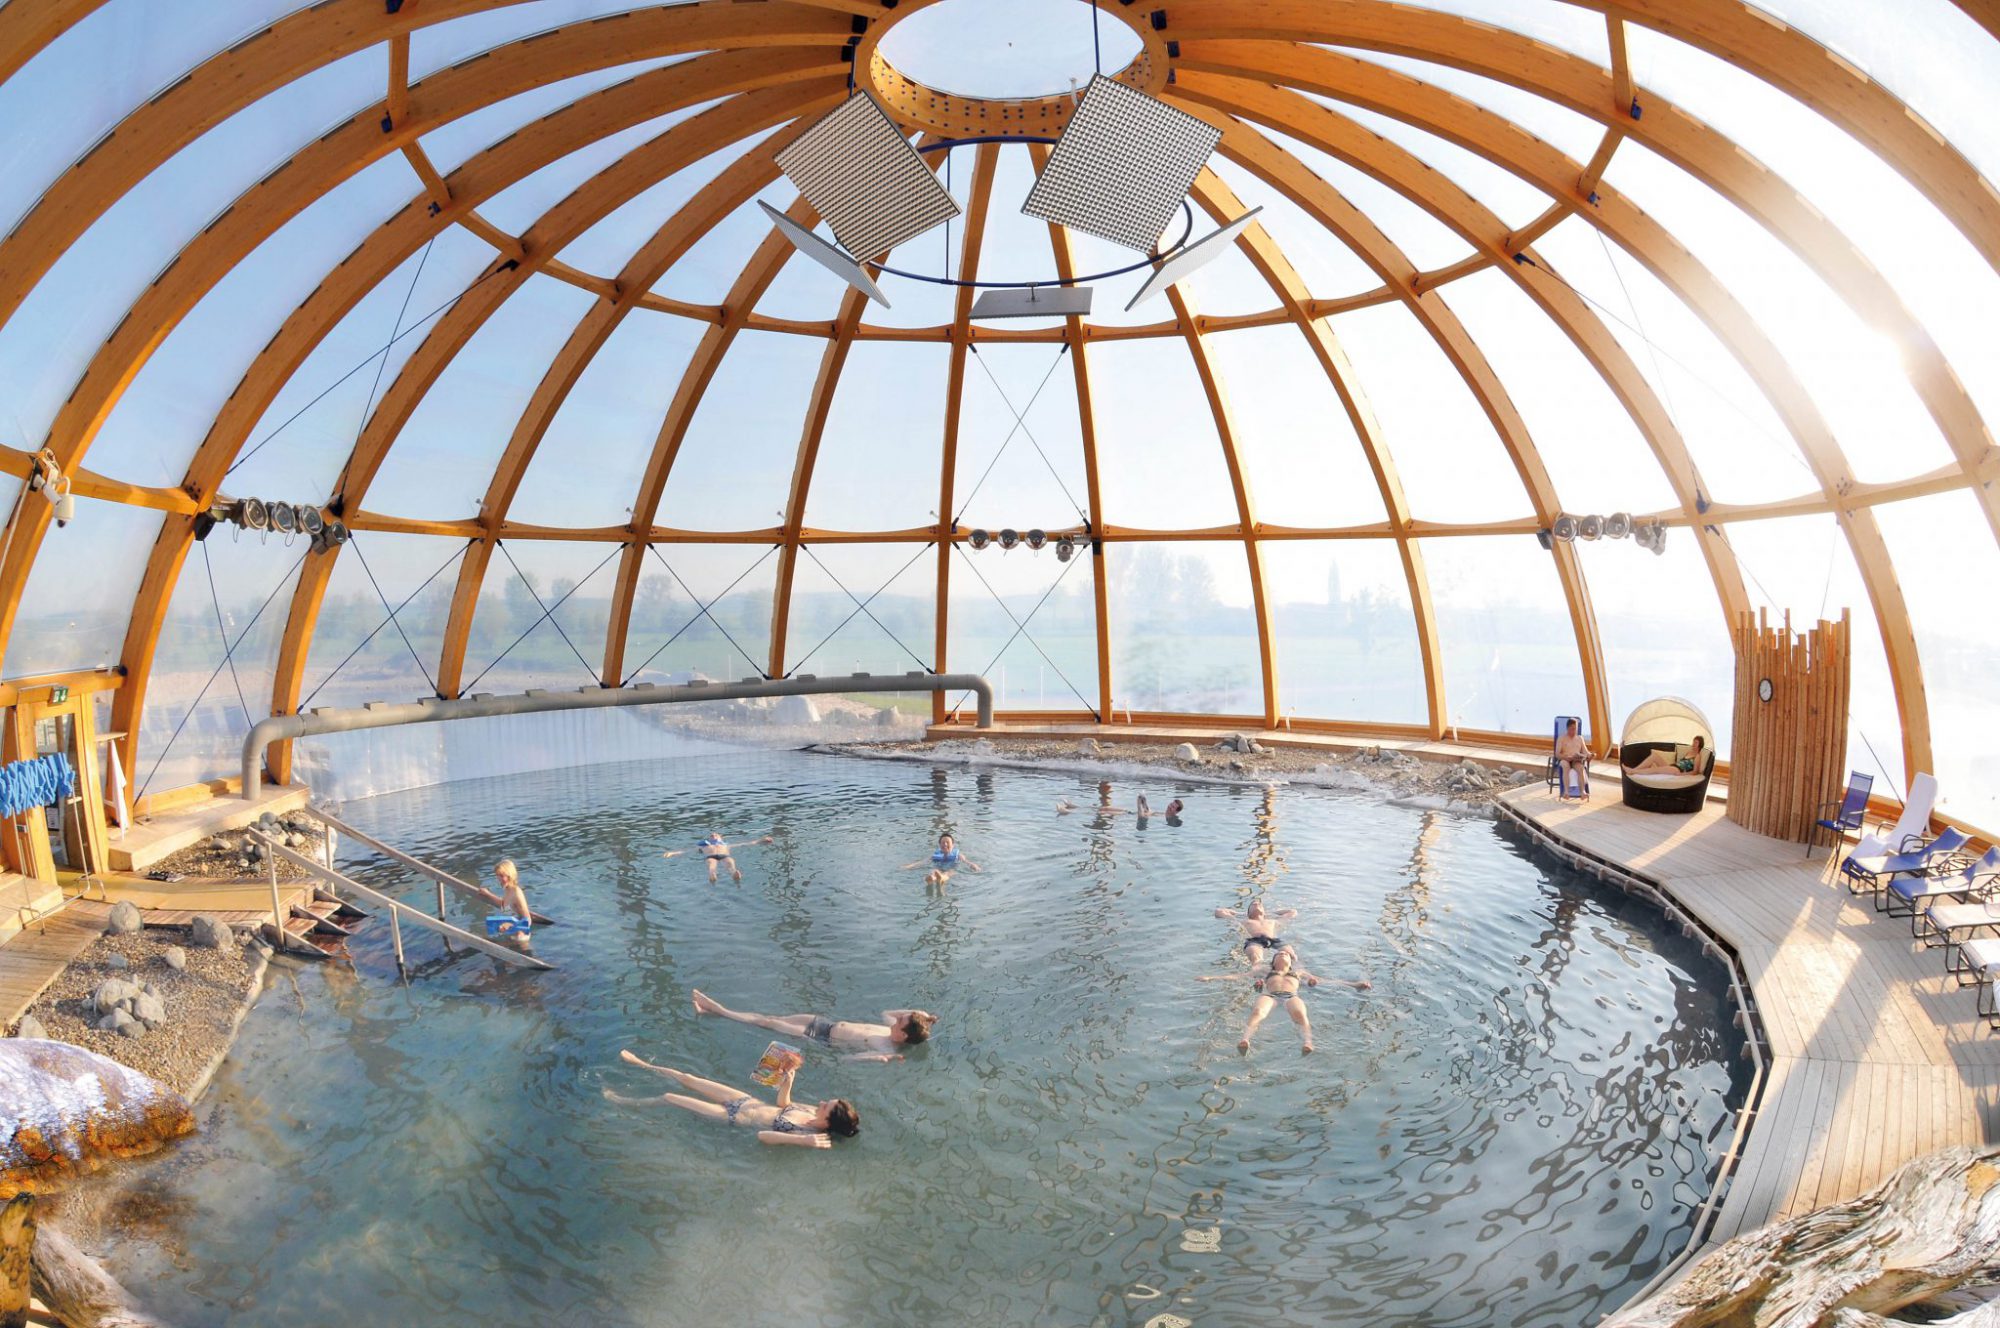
(1122, 166)
(860, 173)
(825, 254)
(1033, 302)
(1193, 258)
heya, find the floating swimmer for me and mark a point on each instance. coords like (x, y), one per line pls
(876, 1042)
(787, 1123)
(1260, 928)
(1280, 984)
(1103, 808)
(943, 862)
(716, 850)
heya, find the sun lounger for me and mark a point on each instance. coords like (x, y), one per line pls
(1981, 958)
(1884, 873)
(1949, 876)
(1949, 924)
(1847, 814)
(1911, 829)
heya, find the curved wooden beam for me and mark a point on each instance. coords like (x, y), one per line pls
(1694, 284)
(985, 164)
(393, 242)
(323, 33)
(1265, 256)
(1246, 512)
(27, 27)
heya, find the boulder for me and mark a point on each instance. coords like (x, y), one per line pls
(30, 1027)
(117, 961)
(795, 710)
(886, 717)
(209, 931)
(112, 993)
(1187, 752)
(124, 919)
(130, 1025)
(176, 958)
(150, 1010)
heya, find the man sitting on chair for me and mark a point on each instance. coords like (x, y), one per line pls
(1573, 757)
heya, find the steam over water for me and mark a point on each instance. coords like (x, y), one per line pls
(1513, 1127)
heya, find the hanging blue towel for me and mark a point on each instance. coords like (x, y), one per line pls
(36, 783)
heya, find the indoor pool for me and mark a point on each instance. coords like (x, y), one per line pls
(1514, 1126)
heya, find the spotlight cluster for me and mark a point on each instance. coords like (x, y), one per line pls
(1036, 540)
(1651, 535)
(266, 517)
(48, 480)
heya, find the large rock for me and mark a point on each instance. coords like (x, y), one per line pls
(795, 710)
(1187, 752)
(65, 1111)
(209, 931)
(150, 1010)
(175, 958)
(112, 993)
(124, 919)
(30, 1027)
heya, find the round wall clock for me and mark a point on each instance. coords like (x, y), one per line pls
(1763, 689)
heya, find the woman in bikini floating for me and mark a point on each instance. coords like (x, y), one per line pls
(1280, 985)
(787, 1123)
(864, 1042)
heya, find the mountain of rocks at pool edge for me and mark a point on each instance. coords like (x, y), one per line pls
(66, 1111)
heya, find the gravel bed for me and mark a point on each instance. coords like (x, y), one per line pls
(232, 855)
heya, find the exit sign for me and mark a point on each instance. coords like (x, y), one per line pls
(58, 695)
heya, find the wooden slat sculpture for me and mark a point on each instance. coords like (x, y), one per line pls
(1788, 747)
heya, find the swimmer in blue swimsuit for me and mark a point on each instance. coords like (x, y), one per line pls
(1280, 984)
(715, 850)
(785, 1123)
(943, 862)
(886, 1041)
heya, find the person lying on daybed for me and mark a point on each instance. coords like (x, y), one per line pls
(1663, 759)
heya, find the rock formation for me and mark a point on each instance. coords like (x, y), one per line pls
(65, 1111)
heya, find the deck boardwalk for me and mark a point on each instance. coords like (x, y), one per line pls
(1876, 1055)
(31, 960)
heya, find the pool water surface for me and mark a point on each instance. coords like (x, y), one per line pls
(1514, 1126)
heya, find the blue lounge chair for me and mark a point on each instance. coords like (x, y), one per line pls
(1559, 780)
(1949, 876)
(1910, 830)
(1848, 813)
(1883, 872)
(1950, 924)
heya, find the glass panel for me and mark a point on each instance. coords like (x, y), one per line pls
(199, 705)
(734, 469)
(882, 441)
(113, 59)
(520, 205)
(1739, 445)
(1026, 48)
(1328, 267)
(451, 144)
(1027, 475)
(1577, 135)
(441, 462)
(512, 646)
(708, 269)
(1853, 371)
(1512, 198)
(670, 639)
(1574, 29)
(1804, 564)
(1943, 548)
(1052, 663)
(441, 44)
(1452, 463)
(829, 632)
(78, 597)
(297, 449)
(1931, 53)
(1183, 632)
(589, 465)
(151, 435)
(1301, 460)
(1510, 658)
(610, 244)
(1594, 452)
(1933, 267)
(1347, 637)
(357, 654)
(1160, 464)
(1662, 628)
(1422, 238)
(1017, 248)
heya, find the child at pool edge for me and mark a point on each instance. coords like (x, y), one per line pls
(512, 900)
(943, 861)
(715, 849)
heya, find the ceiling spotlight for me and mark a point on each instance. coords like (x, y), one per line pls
(253, 514)
(284, 518)
(1009, 537)
(1065, 549)
(1653, 536)
(978, 539)
(1036, 539)
(1564, 528)
(331, 535)
(1589, 527)
(1618, 525)
(310, 520)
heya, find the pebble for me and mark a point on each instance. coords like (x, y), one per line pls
(117, 961)
(30, 1027)
(177, 958)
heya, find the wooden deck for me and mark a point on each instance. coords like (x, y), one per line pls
(30, 961)
(1876, 1055)
(138, 847)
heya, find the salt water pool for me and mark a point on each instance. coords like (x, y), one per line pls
(1514, 1126)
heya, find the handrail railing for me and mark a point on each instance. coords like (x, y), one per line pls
(438, 874)
(377, 715)
(397, 910)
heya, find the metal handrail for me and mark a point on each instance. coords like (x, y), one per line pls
(438, 874)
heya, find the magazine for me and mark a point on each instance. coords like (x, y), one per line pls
(771, 1066)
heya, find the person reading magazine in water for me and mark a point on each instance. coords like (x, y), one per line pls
(864, 1042)
(787, 1123)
